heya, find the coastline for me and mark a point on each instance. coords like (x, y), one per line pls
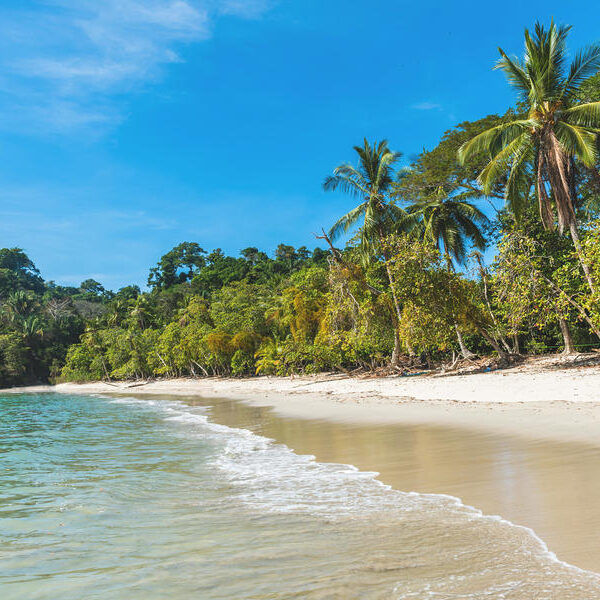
(531, 461)
(541, 400)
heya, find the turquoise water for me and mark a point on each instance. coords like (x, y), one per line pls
(131, 499)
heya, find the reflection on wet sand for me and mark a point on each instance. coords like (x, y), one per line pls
(552, 487)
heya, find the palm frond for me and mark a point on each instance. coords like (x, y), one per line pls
(577, 142)
(545, 56)
(344, 184)
(371, 180)
(500, 135)
(583, 115)
(454, 243)
(585, 64)
(470, 212)
(515, 73)
(518, 183)
(501, 162)
(399, 220)
(470, 230)
(384, 175)
(343, 224)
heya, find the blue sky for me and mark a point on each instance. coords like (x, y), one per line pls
(128, 126)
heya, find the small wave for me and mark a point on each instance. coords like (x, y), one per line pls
(270, 476)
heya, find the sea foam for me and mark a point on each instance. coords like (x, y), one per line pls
(269, 476)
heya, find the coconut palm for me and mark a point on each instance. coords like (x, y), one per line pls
(452, 225)
(557, 133)
(371, 181)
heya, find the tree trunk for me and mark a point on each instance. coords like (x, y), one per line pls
(463, 348)
(568, 340)
(576, 305)
(493, 343)
(498, 333)
(396, 352)
(561, 173)
(394, 297)
(516, 348)
(577, 243)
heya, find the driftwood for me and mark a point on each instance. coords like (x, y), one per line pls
(138, 384)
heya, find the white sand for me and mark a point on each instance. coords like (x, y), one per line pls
(538, 400)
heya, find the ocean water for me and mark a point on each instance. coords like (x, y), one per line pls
(146, 499)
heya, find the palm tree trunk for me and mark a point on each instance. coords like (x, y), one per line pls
(561, 173)
(568, 340)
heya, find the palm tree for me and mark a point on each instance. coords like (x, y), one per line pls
(557, 133)
(31, 327)
(371, 181)
(18, 305)
(140, 312)
(452, 224)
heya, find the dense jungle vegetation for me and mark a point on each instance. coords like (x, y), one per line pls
(410, 287)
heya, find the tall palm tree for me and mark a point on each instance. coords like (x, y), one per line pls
(371, 181)
(557, 134)
(452, 225)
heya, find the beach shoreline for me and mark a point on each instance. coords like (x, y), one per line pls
(539, 400)
(522, 443)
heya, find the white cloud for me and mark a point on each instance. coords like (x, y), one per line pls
(426, 106)
(64, 62)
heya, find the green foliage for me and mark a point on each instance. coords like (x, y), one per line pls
(439, 173)
(17, 272)
(82, 364)
(242, 363)
(394, 286)
(14, 359)
(557, 132)
(371, 182)
(177, 266)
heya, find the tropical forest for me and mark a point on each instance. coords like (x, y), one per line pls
(486, 246)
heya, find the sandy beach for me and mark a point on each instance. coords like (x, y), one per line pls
(522, 443)
(545, 398)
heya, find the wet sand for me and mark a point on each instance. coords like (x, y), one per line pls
(147, 496)
(533, 462)
(550, 486)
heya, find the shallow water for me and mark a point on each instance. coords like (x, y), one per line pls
(552, 487)
(125, 498)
